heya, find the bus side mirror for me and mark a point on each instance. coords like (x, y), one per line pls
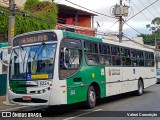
(66, 57)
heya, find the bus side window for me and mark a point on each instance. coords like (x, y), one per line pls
(116, 55)
(92, 54)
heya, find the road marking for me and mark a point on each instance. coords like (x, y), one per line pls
(82, 114)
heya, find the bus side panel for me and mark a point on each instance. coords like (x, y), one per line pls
(78, 84)
(113, 78)
(76, 87)
(148, 75)
(96, 74)
(130, 78)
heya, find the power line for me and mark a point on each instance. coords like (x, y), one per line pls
(141, 10)
(138, 43)
(154, 8)
(133, 28)
(89, 9)
(147, 9)
(113, 24)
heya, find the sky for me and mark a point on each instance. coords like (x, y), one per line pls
(138, 22)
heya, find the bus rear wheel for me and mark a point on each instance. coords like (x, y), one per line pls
(91, 97)
(140, 88)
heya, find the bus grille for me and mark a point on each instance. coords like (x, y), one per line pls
(33, 100)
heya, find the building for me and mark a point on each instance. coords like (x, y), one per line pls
(76, 20)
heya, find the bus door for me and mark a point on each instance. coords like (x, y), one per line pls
(70, 69)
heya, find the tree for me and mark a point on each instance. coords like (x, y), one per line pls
(148, 39)
(154, 27)
(43, 15)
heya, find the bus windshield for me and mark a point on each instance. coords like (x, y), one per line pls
(32, 62)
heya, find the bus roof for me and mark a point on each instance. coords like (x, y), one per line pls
(81, 36)
(124, 44)
(85, 37)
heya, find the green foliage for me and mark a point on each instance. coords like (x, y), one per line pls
(154, 26)
(149, 39)
(3, 23)
(30, 3)
(45, 17)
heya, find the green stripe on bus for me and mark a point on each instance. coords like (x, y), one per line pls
(18, 87)
(80, 36)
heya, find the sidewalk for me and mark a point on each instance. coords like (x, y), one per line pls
(14, 107)
(4, 107)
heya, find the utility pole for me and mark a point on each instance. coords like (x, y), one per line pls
(120, 25)
(11, 23)
(10, 38)
(120, 11)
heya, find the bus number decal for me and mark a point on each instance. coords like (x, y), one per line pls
(43, 83)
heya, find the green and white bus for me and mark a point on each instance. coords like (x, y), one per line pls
(55, 67)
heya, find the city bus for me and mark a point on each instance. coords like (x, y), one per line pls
(57, 67)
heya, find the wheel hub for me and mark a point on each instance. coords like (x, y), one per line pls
(92, 96)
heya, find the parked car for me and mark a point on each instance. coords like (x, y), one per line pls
(158, 75)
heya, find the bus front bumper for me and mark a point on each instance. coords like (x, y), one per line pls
(29, 99)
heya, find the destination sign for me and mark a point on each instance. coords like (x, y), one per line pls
(35, 38)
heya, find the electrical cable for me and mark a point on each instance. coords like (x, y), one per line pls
(147, 8)
(133, 28)
(113, 24)
(141, 10)
(139, 43)
(90, 10)
(154, 8)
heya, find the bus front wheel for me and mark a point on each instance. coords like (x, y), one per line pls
(140, 88)
(91, 97)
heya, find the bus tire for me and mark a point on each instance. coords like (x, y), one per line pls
(140, 88)
(91, 97)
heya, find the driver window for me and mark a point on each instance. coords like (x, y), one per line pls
(70, 57)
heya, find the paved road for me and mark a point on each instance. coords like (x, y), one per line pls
(149, 101)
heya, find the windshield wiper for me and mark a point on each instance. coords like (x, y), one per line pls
(20, 49)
